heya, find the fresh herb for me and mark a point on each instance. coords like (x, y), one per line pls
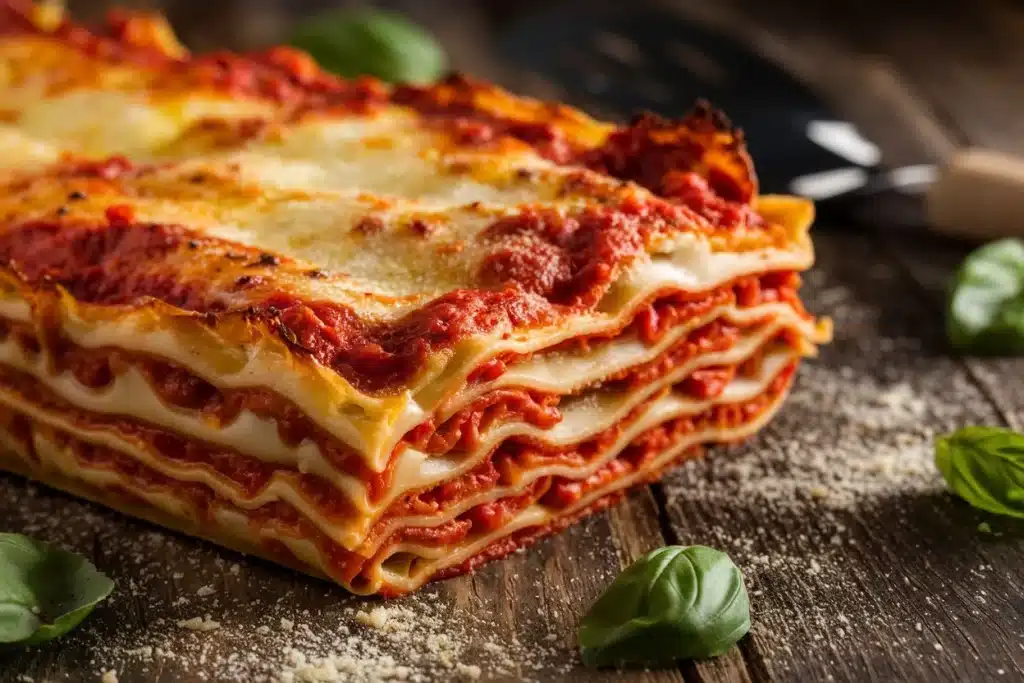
(986, 303)
(985, 467)
(357, 42)
(673, 603)
(44, 591)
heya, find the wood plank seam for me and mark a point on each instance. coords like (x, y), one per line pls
(752, 661)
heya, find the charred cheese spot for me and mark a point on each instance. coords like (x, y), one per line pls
(368, 225)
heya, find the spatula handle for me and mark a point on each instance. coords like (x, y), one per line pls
(978, 195)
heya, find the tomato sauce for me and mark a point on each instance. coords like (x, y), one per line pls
(345, 566)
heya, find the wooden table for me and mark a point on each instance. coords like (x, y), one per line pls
(860, 567)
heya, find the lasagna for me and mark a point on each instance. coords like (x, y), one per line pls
(378, 333)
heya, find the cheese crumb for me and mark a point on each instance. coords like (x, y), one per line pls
(109, 676)
(287, 624)
(200, 624)
(205, 591)
(469, 672)
(376, 618)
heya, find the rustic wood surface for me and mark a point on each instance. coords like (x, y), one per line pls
(896, 584)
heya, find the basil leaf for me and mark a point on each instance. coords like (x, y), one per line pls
(674, 603)
(353, 43)
(985, 313)
(985, 467)
(44, 591)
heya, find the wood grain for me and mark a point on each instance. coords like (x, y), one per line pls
(881, 587)
(843, 589)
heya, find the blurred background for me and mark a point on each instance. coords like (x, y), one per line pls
(841, 100)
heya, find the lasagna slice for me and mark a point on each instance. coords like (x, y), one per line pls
(381, 334)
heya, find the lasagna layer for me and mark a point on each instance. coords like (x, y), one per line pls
(379, 332)
(410, 556)
(250, 482)
(260, 422)
(272, 339)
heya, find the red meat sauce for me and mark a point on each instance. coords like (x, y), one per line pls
(97, 367)
(665, 310)
(138, 479)
(505, 466)
(100, 265)
(463, 431)
(516, 457)
(251, 475)
(524, 538)
(345, 566)
(566, 492)
(560, 493)
(126, 264)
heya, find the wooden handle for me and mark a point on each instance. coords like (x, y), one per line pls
(979, 195)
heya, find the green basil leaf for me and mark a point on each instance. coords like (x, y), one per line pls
(674, 603)
(44, 591)
(985, 467)
(985, 314)
(353, 43)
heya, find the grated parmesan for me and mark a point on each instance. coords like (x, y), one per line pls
(200, 624)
